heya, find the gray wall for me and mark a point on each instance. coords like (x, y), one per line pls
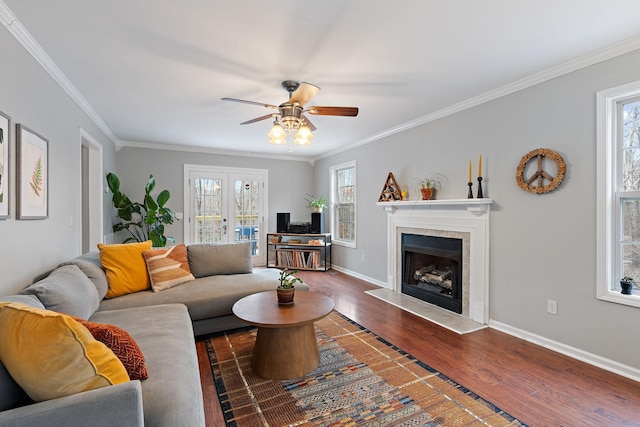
(288, 180)
(31, 97)
(542, 246)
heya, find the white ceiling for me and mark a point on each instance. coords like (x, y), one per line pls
(154, 70)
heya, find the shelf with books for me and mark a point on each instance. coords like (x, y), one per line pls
(299, 251)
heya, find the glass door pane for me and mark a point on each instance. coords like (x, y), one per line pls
(210, 221)
(247, 213)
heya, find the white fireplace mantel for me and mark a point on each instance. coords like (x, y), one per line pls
(465, 217)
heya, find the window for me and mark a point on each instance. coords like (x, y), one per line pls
(343, 201)
(618, 202)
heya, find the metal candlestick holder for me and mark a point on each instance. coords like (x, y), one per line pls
(470, 194)
(480, 196)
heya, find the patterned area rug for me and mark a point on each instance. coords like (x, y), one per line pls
(362, 380)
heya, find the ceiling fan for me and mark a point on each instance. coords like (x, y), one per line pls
(290, 116)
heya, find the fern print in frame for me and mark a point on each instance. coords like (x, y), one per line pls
(33, 168)
(5, 165)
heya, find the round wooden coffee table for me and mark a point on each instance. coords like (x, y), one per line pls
(286, 345)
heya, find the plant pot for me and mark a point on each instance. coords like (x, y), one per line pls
(626, 288)
(427, 193)
(318, 209)
(285, 296)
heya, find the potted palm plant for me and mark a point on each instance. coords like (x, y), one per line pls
(286, 290)
(627, 285)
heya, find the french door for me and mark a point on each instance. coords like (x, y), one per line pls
(226, 205)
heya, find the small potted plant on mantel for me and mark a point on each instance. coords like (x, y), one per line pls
(317, 204)
(429, 185)
(286, 290)
(627, 285)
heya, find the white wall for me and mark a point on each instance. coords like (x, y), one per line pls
(542, 246)
(31, 97)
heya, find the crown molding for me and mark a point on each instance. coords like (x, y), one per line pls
(584, 61)
(20, 33)
(193, 149)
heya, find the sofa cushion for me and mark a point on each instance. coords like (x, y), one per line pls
(209, 260)
(30, 300)
(66, 290)
(167, 267)
(125, 267)
(89, 264)
(122, 344)
(50, 355)
(172, 396)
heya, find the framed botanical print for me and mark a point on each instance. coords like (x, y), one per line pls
(33, 174)
(5, 165)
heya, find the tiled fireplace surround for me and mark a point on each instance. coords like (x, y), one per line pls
(466, 219)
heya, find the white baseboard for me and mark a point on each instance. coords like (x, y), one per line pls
(575, 353)
(359, 276)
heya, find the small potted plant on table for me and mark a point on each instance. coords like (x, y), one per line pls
(286, 289)
(627, 285)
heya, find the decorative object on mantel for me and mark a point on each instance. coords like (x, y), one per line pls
(429, 185)
(626, 283)
(480, 195)
(470, 183)
(390, 190)
(535, 184)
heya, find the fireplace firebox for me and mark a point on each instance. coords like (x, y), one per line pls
(432, 270)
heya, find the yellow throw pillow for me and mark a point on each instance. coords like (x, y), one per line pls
(125, 267)
(50, 355)
(168, 267)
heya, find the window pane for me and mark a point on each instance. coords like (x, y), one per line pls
(346, 222)
(631, 260)
(346, 185)
(247, 212)
(208, 205)
(631, 146)
(631, 220)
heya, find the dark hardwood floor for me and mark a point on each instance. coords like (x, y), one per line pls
(538, 386)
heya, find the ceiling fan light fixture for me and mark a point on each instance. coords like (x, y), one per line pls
(277, 141)
(301, 141)
(276, 132)
(304, 132)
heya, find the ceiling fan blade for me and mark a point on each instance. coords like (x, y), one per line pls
(304, 93)
(258, 119)
(249, 102)
(308, 122)
(333, 111)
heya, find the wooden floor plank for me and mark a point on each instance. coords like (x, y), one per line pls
(534, 384)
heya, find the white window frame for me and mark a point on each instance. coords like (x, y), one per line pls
(334, 197)
(608, 181)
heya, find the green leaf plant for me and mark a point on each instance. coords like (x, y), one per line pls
(287, 280)
(143, 221)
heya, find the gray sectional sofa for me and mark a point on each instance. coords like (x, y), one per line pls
(163, 324)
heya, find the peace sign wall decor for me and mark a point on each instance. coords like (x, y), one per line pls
(540, 181)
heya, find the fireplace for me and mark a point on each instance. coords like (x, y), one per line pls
(466, 221)
(432, 270)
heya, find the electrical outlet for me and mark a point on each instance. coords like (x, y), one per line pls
(552, 306)
(362, 257)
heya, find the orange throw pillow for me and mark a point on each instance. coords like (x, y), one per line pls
(122, 344)
(168, 267)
